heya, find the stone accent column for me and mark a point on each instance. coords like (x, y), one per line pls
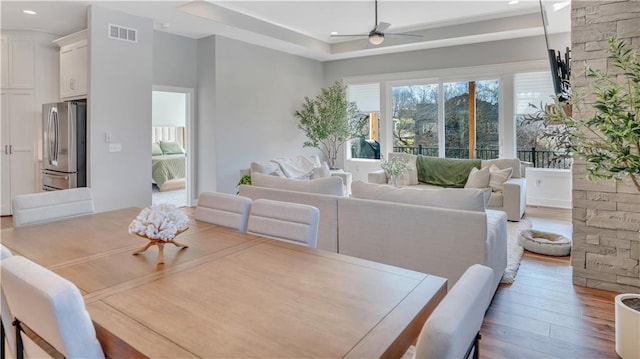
(606, 214)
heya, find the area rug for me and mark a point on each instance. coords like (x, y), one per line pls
(514, 250)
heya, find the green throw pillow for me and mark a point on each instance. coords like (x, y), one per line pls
(170, 148)
(155, 149)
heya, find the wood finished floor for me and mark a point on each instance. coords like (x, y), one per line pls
(542, 314)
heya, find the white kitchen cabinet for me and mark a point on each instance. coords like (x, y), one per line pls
(18, 144)
(73, 66)
(18, 62)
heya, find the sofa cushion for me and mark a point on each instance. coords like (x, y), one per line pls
(267, 168)
(329, 185)
(446, 172)
(496, 200)
(498, 177)
(478, 178)
(503, 163)
(411, 176)
(464, 199)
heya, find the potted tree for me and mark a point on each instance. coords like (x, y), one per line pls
(329, 120)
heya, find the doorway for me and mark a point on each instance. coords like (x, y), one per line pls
(172, 146)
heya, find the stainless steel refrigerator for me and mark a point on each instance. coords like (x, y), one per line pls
(64, 145)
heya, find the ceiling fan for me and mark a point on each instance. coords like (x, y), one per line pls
(377, 35)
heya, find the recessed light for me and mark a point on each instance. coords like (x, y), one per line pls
(513, 2)
(29, 12)
(334, 33)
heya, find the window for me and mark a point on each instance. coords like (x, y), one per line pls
(532, 92)
(415, 119)
(470, 119)
(367, 98)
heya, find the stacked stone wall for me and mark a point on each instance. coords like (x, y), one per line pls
(606, 214)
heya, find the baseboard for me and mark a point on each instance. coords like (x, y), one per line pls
(549, 202)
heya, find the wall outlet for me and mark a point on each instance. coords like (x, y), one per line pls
(115, 147)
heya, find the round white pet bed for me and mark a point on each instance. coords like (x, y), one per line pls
(546, 243)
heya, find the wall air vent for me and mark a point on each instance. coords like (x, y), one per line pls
(123, 33)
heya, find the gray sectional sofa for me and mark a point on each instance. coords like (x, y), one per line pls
(432, 233)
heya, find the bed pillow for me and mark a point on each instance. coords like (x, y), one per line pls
(155, 149)
(170, 148)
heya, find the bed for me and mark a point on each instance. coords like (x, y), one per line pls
(168, 160)
(168, 171)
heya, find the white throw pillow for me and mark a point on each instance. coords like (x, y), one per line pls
(503, 163)
(411, 176)
(498, 177)
(316, 160)
(321, 172)
(471, 199)
(330, 185)
(267, 168)
(478, 178)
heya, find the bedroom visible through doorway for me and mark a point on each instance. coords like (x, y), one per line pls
(170, 145)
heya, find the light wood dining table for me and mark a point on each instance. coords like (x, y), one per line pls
(229, 294)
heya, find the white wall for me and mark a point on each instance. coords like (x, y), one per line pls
(175, 60)
(206, 115)
(120, 85)
(257, 93)
(549, 187)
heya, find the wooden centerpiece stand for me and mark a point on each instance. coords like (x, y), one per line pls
(160, 243)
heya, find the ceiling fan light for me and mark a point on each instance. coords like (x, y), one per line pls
(376, 39)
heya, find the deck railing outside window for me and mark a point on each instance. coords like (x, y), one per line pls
(539, 158)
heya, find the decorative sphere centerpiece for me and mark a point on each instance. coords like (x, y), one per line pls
(160, 224)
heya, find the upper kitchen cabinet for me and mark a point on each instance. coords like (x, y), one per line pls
(73, 66)
(18, 60)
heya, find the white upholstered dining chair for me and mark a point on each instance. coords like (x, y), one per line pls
(50, 206)
(290, 222)
(5, 315)
(50, 306)
(453, 329)
(224, 210)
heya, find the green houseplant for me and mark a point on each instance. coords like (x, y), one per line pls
(329, 120)
(603, 128)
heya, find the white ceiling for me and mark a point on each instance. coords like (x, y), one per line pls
(302, 27)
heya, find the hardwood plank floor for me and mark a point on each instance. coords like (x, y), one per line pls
(542, 314)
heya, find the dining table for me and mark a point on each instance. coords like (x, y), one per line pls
(229, 294)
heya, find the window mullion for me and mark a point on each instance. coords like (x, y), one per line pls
(441, 144)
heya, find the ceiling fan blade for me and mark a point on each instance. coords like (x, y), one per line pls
(382, 26)
(401, 34)
(348, 35)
